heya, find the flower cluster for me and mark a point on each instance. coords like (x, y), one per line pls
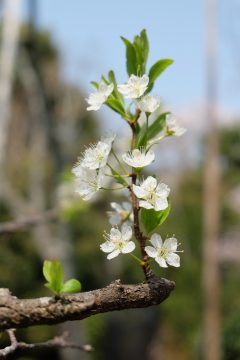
(90, 167)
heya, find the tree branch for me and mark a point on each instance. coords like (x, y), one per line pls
(58, 341)
(17, 313)
(28, 221)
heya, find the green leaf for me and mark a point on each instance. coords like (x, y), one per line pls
(157, 126)
(71, 286)
(142, 138)
(115, 92)
(142, 49)
(116, 105)
(152, 219)
(96, 84)
(118, 178)
(156, 70)
(145, 48)
(51, 287)
(54, 273)
(131, 56)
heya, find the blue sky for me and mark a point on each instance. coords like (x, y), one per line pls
(88, 35)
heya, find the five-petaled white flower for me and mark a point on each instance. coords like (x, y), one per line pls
(135, 87)
(148, 103)
(118, 242)
(173, 126)
(154, 196)
(98, 98)
(163, 253)
(139, 158)
(89, 181)
(122, 214)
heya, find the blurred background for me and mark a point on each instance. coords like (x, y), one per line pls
(49, 53)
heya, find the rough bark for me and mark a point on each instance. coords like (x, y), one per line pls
(17, 313)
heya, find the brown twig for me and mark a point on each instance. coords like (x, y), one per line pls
(28, 221)
(58, 341)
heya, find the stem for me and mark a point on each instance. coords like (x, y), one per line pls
(119, 161)
(117, 175)
(137, 232)
(136, 257)
(160, 138)
(123, 187)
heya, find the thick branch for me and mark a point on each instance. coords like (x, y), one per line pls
(16, 313)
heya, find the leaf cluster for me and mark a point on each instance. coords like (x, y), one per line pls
(54, 274)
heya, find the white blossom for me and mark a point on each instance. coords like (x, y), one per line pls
(154, 196)
(89, 182)
(118, 242)
(148, 103)
(94, 157)
(121, 214)
(95, 100)
(173, 126)
(135, 87)
(163, 253)
(139, 158)
(109, 137)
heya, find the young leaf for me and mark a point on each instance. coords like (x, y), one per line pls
(145, 48)
(142, 138)
(156, 70)
(96, 84)
(157, 126)
(152, 219)
(142, 49)
(116, 105)
(131, 57)
(54, 273)
(115, 92)
(118, 178)
(71, 286)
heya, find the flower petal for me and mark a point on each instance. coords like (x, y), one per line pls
(173, 260)
(151, 251)
(161, 261)
(171, 244)
(145, 204)
(113, 254)
(139, 191)
(149, 184)
(156, 240)
(116, 206)
(107, 247)
(115, 234)
(161, 204)
(126, 233)
(129, 247)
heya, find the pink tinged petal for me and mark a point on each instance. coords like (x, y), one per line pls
(156, 240)
(171, 244)
(173, 260)
(115, 234)
(161, 204)
(151, 251)
(161, 261)
(129, 247)
(139, 191)
(107, 247)
(145, 204)
(149, 184)
(126, 233)
(113, 254)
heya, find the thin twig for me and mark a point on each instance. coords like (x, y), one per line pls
(58, 341)
(28, 221)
